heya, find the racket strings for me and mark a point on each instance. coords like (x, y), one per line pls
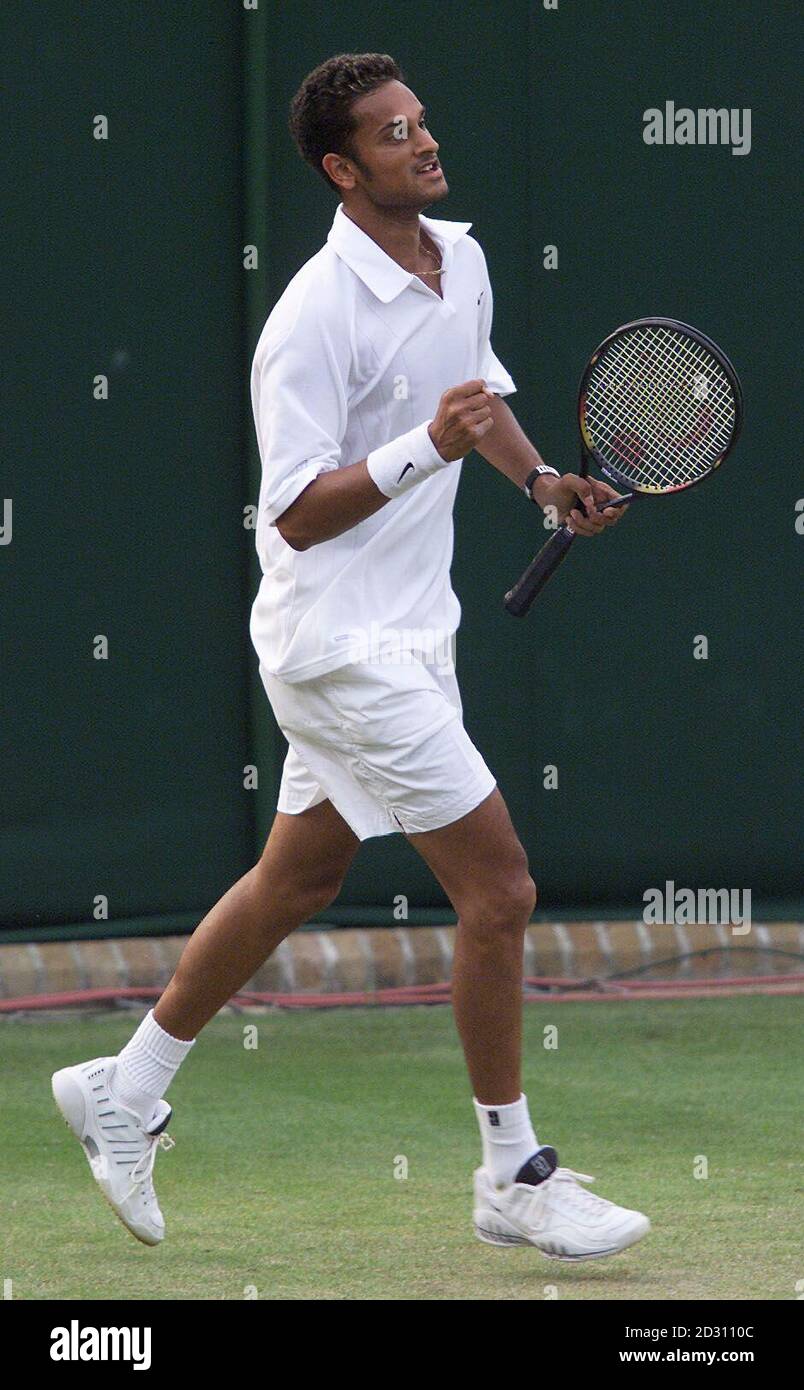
(659, 408)
(670, 393)
(660, 393)
(649, 413)
(666, 396)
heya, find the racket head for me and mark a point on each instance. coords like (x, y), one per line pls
(659, 406)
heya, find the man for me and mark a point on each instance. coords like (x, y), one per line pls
(373, 378)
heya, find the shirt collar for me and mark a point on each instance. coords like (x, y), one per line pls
(375, 268)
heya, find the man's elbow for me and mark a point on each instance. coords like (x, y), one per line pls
(293, 524)
(291, 535)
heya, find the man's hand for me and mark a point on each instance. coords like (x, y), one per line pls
(463, 417)
(561, 493)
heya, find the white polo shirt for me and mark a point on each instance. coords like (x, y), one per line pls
(355, 353)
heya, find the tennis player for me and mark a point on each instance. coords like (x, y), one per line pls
(374, 377)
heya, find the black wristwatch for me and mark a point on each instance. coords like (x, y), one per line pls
(538, 472)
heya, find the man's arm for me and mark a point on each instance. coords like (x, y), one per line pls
(337, 500)
(507, 448)
(331, 504)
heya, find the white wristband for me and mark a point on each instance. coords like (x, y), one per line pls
(406, 461)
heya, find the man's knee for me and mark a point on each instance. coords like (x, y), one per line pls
(506, 905)
(305, 860)
(301, 891)
(317, 894)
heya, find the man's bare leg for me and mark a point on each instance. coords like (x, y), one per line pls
(115, 1106)
(483, 869)
(300, 873)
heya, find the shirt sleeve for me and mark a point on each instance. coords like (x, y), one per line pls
(489, 366)
(299, 398)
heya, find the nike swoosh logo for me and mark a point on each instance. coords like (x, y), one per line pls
(404, 471)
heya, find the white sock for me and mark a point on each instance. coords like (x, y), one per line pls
(508, 1139)
(147, 1065)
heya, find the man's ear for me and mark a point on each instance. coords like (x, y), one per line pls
(339, 170)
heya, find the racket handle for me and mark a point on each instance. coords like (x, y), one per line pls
(616, 502)
(519, 599)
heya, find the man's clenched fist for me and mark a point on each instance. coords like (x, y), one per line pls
(463, 417)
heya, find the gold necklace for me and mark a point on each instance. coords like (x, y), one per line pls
(432, 256)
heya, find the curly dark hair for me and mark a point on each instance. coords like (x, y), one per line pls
(321, 119)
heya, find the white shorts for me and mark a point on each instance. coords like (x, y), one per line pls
(384, 742)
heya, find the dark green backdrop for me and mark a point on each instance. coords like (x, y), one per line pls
(124, 777)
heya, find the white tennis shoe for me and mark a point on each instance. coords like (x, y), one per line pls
(120, 1148)
(545, 1206)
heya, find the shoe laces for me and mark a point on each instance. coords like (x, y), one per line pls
(140, 1174)
(573, 1193)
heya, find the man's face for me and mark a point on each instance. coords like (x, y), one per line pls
(396, 162)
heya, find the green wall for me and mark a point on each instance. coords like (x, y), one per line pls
(125, 777)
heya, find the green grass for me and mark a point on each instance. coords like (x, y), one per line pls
(283, 1173)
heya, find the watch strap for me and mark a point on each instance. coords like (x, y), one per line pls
(540, 471)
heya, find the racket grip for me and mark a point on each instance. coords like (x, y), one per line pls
(519, 599)
(616, 502)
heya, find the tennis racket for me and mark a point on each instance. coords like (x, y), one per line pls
(659, 408)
